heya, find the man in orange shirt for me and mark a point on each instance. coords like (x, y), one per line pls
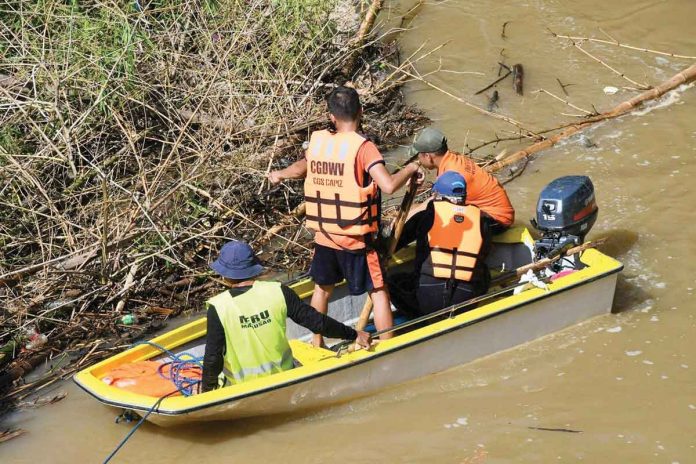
(483, 190)
(344, 173)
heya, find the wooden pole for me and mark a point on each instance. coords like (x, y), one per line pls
(357, 43)
(684, 77)
(542, 263)
(399, 223)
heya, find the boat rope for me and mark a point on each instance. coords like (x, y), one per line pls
(142, 420)
(178, 365)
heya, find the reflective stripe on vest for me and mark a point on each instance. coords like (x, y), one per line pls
(454, 240)
(254, 324)
(269, 368)
(335, 202)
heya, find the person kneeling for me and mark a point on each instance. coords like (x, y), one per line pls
(246, 324)
(452, 242)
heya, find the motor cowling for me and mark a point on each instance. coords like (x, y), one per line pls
(565, 213)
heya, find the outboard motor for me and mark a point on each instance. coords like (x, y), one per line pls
(565, 213)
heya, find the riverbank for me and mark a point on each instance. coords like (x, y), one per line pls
(135, 141)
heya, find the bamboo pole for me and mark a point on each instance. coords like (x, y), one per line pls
(399, 223)
(683, 77)
(622, 45)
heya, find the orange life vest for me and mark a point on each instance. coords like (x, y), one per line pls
(455, 241)
(482, 189)
(335, 202)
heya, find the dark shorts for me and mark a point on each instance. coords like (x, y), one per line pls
(361, 269)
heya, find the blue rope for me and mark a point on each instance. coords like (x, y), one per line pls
(177, 366)
(132, 431)
(185, 385)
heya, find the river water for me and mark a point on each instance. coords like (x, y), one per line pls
(626, 382)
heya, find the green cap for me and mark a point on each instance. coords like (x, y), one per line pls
(429, 140)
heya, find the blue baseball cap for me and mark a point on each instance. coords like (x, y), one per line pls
(450, 184)
(237, 261)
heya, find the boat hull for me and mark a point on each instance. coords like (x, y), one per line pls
(325, 378)
(462, 344)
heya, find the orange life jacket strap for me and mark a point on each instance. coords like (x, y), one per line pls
(452, 266)
(455, 252)
(366, 207)
(350, 204)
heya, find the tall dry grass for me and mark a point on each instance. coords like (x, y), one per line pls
(134, 139)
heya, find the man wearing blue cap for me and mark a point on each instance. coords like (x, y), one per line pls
(452, 241)
(246, 323)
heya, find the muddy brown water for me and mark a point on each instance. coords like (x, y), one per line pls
(626, 381)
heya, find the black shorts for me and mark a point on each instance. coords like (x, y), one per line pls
(361, 269)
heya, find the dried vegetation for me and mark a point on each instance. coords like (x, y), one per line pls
(134, 139)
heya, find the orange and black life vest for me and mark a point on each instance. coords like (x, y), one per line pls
(335, 202)
(455, 241)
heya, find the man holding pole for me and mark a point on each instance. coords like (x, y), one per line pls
(344, 174)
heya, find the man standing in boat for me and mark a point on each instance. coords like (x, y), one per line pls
(246, 323)
(344, 173)
(483, 190)
(452, 241)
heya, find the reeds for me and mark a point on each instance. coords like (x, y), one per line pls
(134, 138)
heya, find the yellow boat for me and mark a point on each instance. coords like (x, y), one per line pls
(324, 377)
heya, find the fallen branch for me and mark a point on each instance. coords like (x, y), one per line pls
(471, 105)
(9, 434)
(356, 44)
(638, 84)
(493, 83)
(564, 101)
(684, 77)
(618, 44)
(563, 86)
(518, 78)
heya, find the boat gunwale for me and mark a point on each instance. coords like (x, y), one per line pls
(373, 356)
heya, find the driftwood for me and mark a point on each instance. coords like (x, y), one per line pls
(564, 101)
(684, 77)
(493, 101)
(518, 78)
(494, 82)
(365, 28)
(622, 45)
(472, 106)
(616, 71)
(9, 434)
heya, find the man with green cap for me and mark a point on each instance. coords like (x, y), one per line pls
(246, 323)
(483, 190)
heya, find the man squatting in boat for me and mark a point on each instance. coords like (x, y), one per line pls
(483, 190)
(246, 324)
(452, 242)
(344, 174)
